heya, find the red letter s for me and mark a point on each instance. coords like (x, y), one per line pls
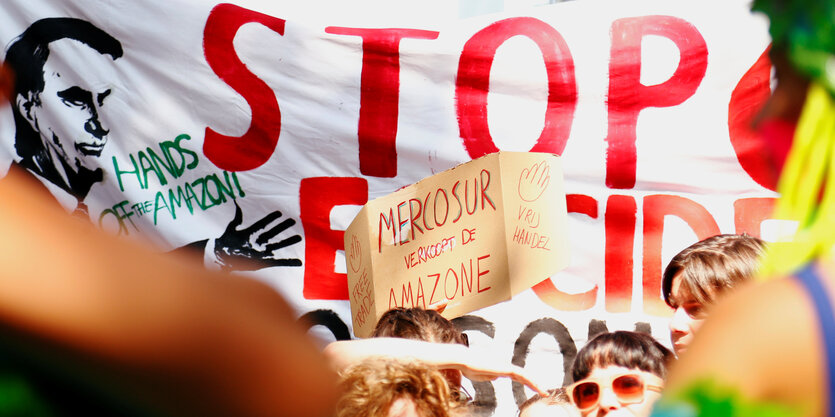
(258, 143)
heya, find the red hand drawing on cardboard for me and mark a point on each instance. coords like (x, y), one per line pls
(355, 254)
(534, 180)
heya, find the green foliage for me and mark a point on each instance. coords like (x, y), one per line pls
(805, 30)
(707, 398)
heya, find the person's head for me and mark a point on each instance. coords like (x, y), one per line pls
(421, 324)
(57, 108)
(392, 388)
(620, 373)
(555, 404)
(418, 324)
(698, 275)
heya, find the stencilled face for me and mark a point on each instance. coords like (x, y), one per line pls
(688, 315)
(67, 113)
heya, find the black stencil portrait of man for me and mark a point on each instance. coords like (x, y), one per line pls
(59, 134)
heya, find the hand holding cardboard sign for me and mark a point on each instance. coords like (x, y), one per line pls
(534, 180)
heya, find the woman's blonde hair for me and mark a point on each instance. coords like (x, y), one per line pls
(369, 388)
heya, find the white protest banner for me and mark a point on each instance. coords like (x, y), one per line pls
(253, 130)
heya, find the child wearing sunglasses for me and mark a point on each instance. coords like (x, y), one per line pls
(621, 373)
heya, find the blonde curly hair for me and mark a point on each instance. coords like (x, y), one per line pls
(369, 389)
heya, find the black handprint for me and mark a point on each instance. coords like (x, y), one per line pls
(237, 249)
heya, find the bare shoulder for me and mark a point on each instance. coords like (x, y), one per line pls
(763, 341)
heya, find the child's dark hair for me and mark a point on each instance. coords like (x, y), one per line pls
(631, 350)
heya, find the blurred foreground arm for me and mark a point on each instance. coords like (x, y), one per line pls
(760, 350)
(176, 337)
(475, 364)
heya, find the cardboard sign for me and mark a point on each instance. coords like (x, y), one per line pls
(471, 237)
